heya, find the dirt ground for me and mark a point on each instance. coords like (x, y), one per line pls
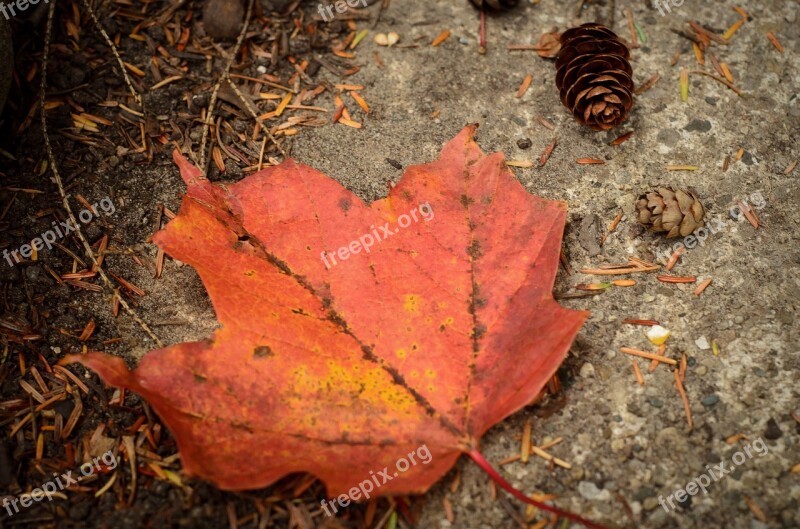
(628, 445)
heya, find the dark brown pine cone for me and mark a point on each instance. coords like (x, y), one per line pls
(594, 76)
(497, 5)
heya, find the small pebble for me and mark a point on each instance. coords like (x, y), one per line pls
(655, 402)
(702, 343)
(773, 431)
(590, 491)
(524, 143)
(710, 401)
(587, 370)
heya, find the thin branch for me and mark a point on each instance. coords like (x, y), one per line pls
(57, 178)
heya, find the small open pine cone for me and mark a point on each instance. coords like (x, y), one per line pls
(594, 76)
(497, 5)
(675, 211)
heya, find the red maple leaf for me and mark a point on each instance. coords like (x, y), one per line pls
(352, 335)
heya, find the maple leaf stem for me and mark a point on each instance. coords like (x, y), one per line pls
(487, 467)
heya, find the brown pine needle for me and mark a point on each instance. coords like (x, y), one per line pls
(612, 227)
(350, 123)
(650, 83)
(443, 36)
(638, 373)
(774, 40)
(726, 72)
(619, 271)
(677, 279)
(733, 29)
(673, 260)
(526, 83)
(754, 508)
(509, 459)
(622, 139)
(682, 168)
(649, 356)
(552, 443)
(546, 124)
(682, 367)
(719, 79)
(742, 13)
(790, 168)
(525, 449)
(360, 101)
(544, 455)
(698, 54)
(589, 161)
(685, 399)
(565, 263)
(662, 349)
(749, 214)
(702, 286)
(547, 152)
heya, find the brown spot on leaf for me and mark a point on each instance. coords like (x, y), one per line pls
(263, 351)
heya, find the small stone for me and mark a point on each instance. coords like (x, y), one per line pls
(710, 401)
(643, 493)
(586, 371)
(655, 402)
(701, 371)
(698, 125)
(524, 143)
(702, 343)
(590, 491)
(649, 504)
(773, 431)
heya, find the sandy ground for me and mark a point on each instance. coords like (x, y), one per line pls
(628, 445)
